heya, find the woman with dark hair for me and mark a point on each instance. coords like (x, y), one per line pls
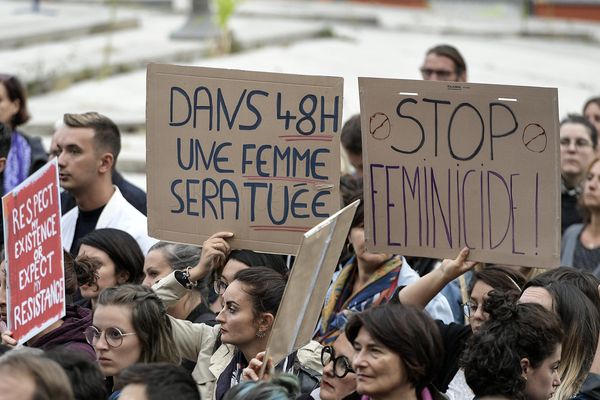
(396, 352)
(241, 259)
(251, 302)
(368, 279)
(450, 379)
(580, 320)
(26, 154)
(591, 111)
(130, 325)
(120, 261)
(516, 354)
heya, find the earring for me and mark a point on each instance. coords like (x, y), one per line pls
(261, 334)
(350, 248)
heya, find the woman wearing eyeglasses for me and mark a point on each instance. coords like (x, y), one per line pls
(338, 381)
(450, 379)
(130, 326)
(397, 350)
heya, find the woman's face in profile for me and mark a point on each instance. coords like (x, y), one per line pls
(333, 387)
(543, 380)
(357, 240)
(8, 108)
(106, 273)
(379, 371)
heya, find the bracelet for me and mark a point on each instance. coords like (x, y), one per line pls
(183, 277)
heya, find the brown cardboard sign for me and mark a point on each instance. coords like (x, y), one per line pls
(253, 153)
(449, 165)
(306, 289)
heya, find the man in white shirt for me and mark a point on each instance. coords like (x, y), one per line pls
(87, 149)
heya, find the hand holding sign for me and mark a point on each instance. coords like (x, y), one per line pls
(253, 153)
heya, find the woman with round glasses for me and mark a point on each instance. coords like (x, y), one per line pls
(397, 349)
(130, 326)
(338, 381)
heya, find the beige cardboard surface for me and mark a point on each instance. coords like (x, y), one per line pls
(307, 286)
(253, 153)
(449, 165)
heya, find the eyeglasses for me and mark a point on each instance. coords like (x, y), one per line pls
(580, 143)
(441, 73)
(112, 335)
(470, 308)
(341, 364)
(220, 286)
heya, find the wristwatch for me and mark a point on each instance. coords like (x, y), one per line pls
(183, 277)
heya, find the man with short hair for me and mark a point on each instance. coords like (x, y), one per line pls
(444, 63)
(87, 149)
(578, 141)
(352, 142)
(133, 194)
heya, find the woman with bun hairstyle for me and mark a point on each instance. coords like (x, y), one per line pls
(251, 301)
(517, 353)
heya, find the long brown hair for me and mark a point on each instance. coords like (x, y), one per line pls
(149, 319)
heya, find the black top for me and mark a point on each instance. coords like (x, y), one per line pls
(454, 339)
(569, 214)
(86, 222)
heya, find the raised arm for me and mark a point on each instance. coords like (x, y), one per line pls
(215, 251)
(422, 291)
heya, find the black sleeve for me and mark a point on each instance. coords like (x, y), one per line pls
(590, 388)
(454, 338)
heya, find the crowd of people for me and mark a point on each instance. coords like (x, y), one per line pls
(148, 319)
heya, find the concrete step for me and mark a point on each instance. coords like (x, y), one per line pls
(116, 96)
(21, 27)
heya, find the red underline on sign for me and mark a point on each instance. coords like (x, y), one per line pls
(280, 228)
(291, 138)
(283, 178)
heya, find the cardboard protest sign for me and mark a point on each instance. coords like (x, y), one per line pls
(449, 165)
(35, 293)
(253, 153)
(307, 285)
